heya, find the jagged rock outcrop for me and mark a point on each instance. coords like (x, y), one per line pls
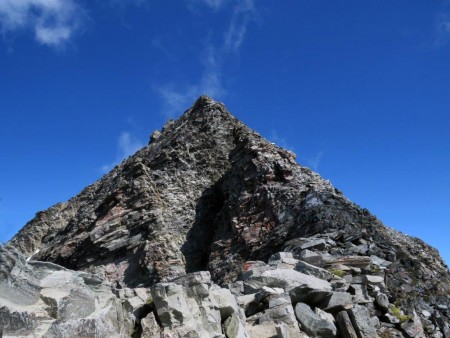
(209, 194)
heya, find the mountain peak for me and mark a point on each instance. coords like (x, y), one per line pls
(208, 193)
(202, 101)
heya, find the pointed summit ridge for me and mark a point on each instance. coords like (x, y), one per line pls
(208, 193)
(203, 101)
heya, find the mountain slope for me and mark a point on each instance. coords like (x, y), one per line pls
(208, 193)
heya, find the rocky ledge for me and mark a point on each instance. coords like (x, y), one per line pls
(309, 294)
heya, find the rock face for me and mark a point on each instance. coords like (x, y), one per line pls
(209, 194)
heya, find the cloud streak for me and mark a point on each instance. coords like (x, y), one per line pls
(210, 82)
(213, 4)
(243, 13)
(127, 145)
(315, 161)
(53, 22)
(177, 98)
(442, 30)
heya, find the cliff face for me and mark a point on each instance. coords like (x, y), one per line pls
(208, 193)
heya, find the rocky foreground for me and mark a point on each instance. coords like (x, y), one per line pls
(212, 231)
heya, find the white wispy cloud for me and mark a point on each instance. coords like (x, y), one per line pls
(177, 98)
(53, 22)
(127, 145)
(213, 4)
(215, 55)
(442, 29)
(314, 162)
(243, 13)
(279, 140)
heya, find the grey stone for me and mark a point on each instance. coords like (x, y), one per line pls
(382, 301)
(339, 285)
(369, 279)
(345, 325)
(281, 310)
(324, 315)
(193, 304)
(237, 288)
(47, 300)
(313, 324)
(311, 257)
(312, 270)
(149, 326)
(223, 300)
(414, 329)
(360, 318)
(379, 261)
(282, 330)
(280, 255)
(300, 287)
(234, 328)
(390, 318)
(390, 332)
(351, 261)
(426, 313)
(318, 244)
(254, 269)
(360, 295)
(338, 301)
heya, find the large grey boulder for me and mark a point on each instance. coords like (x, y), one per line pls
(280, 309)
(312, 270)
(362, 322)
(234, 328)
(337, 301)
(300, 287)
(312, 323)
(382, 301)
(414, 328)
(345, 325)
(311, 257)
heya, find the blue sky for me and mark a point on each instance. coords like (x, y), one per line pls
(360, 90)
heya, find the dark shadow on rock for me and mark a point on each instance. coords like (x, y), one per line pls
(198, 240)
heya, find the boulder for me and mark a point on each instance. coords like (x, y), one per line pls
(312, 270)
(337, 301)
(380, 262)
(280, 309)
(223, 300)
(253, 269)
(345, 325)
(299, 244)
(414, 328)
(279, 256)
(311, 257)
(360, 295)
(382, 301)
(282, 330)
(351, 261)
(361, 321)
(234, 328)
(312, 323)
(324, 315)
(149, 326)
(301, 287)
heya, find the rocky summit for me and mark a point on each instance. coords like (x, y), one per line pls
(212, 231)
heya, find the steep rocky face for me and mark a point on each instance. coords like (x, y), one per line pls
(208, 193)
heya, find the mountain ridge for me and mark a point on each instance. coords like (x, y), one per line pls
(209, 193)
